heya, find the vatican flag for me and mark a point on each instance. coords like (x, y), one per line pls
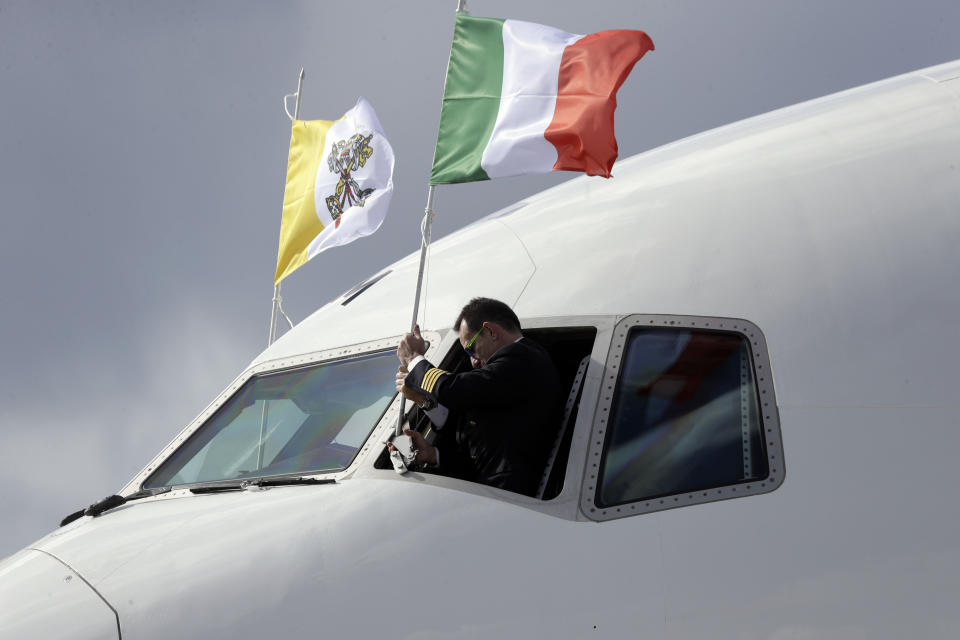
(339, 183)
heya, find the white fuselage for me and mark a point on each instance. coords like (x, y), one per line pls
(832, 226)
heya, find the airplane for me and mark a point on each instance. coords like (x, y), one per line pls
(755, 329)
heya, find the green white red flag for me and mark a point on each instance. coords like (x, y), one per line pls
(523, 98)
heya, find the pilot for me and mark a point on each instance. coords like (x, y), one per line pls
(495, 421)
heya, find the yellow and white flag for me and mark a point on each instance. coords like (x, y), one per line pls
(339, 183)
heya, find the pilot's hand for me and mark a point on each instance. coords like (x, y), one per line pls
(407, 392)
(411, 346)
(425, 453)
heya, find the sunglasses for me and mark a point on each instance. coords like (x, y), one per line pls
(468, 348)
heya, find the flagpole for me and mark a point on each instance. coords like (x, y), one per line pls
(426, 226)
(425, 229)
(277, 309)
(276, 288)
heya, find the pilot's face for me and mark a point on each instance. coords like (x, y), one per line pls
(475, 343)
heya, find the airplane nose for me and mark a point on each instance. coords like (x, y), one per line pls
(44, 598)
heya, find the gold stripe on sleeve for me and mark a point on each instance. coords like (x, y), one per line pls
(430, 379)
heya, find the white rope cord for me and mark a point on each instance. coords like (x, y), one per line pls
(286, 106)
(279, 300)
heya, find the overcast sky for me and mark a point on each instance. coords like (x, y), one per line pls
(143, 150)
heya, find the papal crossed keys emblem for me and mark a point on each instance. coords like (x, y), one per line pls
(345, 157)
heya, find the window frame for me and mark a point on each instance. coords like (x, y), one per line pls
(769, 418)
(323, 357)
(564, 505)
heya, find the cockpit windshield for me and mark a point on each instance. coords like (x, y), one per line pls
(306, 420)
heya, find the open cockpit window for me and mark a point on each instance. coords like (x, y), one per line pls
(569, 348)
(311, 419)
(687, 415)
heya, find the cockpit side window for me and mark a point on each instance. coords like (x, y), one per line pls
(687, 416)
(310, 419)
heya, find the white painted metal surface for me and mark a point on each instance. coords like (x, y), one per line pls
(831, 225)
(41, 597)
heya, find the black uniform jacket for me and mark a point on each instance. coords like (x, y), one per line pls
(504, 415)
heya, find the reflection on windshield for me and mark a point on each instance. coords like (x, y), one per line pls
(296, 421)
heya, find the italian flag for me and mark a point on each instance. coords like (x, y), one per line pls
(523, 98)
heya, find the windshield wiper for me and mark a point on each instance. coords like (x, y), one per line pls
(111, 502)
(114, 501)
(263, 482)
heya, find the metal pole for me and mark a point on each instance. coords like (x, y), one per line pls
(276, 287)
(276, 302)
(425, 229)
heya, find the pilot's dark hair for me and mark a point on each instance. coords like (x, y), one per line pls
(480, 310)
